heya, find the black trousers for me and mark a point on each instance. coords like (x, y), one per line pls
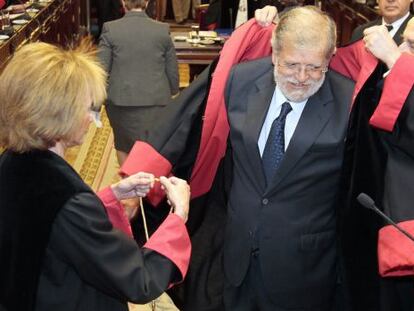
(252, 295)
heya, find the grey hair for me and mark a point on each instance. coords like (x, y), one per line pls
(306, 26)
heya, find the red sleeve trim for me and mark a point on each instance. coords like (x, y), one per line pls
(172, 241)
(115, 210)
(397, 87)
(144, 158)
(396, 251)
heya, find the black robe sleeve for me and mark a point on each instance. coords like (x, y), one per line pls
(106, 259)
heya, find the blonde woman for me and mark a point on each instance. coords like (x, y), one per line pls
(58, 248)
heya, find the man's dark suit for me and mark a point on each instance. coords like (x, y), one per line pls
(358, 32)
(292, 221)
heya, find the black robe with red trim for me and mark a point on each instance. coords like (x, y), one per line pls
(59, 251)
(379, 161)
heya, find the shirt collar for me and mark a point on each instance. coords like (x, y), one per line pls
(397, 24)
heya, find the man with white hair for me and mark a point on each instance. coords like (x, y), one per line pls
(379, 161)
(287, 126)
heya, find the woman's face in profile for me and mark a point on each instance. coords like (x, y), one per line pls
(80, 133)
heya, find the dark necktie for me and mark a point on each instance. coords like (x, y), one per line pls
(389, 27)
(275, 144)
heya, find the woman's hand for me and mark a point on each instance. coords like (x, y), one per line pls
(137, 185)
(265, 16)
(178, 195)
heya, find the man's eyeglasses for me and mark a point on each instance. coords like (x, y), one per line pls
(295, 68)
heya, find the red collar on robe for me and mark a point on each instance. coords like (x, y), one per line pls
(355, 62)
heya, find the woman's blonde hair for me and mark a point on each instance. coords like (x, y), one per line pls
(43, 91)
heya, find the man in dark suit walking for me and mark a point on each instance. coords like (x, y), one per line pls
(395, 15)
(287, 129)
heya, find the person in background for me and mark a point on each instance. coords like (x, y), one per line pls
(394, 14)
(233, 13)
(139, 56)
(288, 117)
(181, 9)
(58, 248)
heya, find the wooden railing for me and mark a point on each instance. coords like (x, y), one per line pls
(56, 22)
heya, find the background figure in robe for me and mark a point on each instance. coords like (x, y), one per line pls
(139, 56)
(280, 238)
(379, 161)
(57, 244)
